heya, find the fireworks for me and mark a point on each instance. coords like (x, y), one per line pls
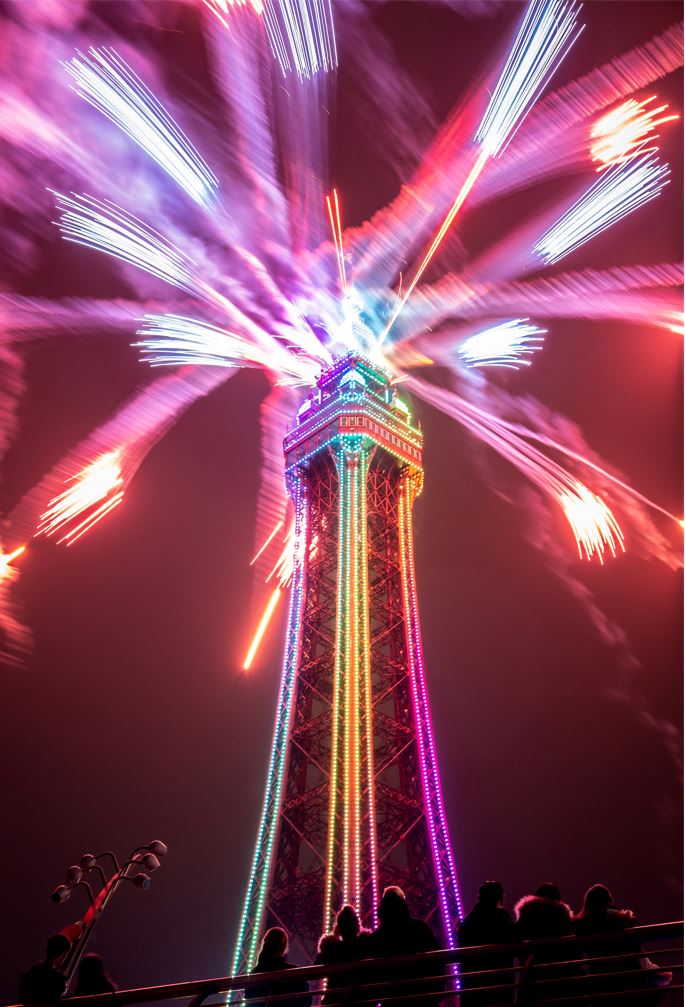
(336, 230)
(300, 32)
(7, 559)
(94, 493)
(301, 35)
(505, 345)
(107, 228)
(625, 131)
(223, 8)
(170, 340)
(107, 83)
(594, 526)
(614, 195)
(547, 32)
(261, 628)
(263, 289)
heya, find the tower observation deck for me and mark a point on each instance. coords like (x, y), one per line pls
(353, 800)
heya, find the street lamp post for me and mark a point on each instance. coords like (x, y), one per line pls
(147, 857)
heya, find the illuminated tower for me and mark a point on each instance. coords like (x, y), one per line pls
(353, 799)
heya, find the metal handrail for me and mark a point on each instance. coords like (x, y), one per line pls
(199, 989)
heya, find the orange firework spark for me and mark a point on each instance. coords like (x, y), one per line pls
(468, 184)
(337, 237)
(223, 8)
(266, 544)
(594, 526)
(261, 628)
(625, 130)
(94, 493)
(6, 560)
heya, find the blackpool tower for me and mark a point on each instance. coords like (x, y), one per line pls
(353, 800)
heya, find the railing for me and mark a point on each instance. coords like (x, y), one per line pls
(549, 972)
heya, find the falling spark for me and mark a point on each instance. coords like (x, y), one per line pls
(222, 8)
(266, 544)
(625, 131)
(468, 184)
(616, 193)
(546, 34)
(94, 493)
(301, 32)
(594, 526)
(504, 345)
(111, 86)
(261, 628)
(284, 566)
(337, 238)
(301, 35)
(107, 228)
(6, 560)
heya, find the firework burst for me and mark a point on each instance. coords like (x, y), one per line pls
(255, 282)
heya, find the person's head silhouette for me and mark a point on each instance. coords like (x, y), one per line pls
(393, 909)
(491, 894)
(549, 891)
(274, 943)
(597, 899)
(347, 923)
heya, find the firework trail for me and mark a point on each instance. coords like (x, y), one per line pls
(111, 86)
(130, 433)
(619, 191)
(546, 34)
(650, 295)
(554, 138)
(508, 344)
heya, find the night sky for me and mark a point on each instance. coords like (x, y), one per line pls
(131, 719)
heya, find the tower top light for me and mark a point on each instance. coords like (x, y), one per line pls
(354, 405)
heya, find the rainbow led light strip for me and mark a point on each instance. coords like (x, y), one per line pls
(432, 793)
(260, 871)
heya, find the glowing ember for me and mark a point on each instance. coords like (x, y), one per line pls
(261, 628)
(624, 131)
(594, 526)
(6, 560)
(94, 493)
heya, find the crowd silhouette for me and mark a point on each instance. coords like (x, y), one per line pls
(489, 977)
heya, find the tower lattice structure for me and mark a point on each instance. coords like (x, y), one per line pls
(353, 800)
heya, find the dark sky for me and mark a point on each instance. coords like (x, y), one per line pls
(131, 719)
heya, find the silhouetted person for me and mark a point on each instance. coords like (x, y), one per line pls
(272, 959)
(347, 943)
(43, 982)
(544, 916)
(599, 915)
(91, 978)
(488, 923)
(399, 933)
